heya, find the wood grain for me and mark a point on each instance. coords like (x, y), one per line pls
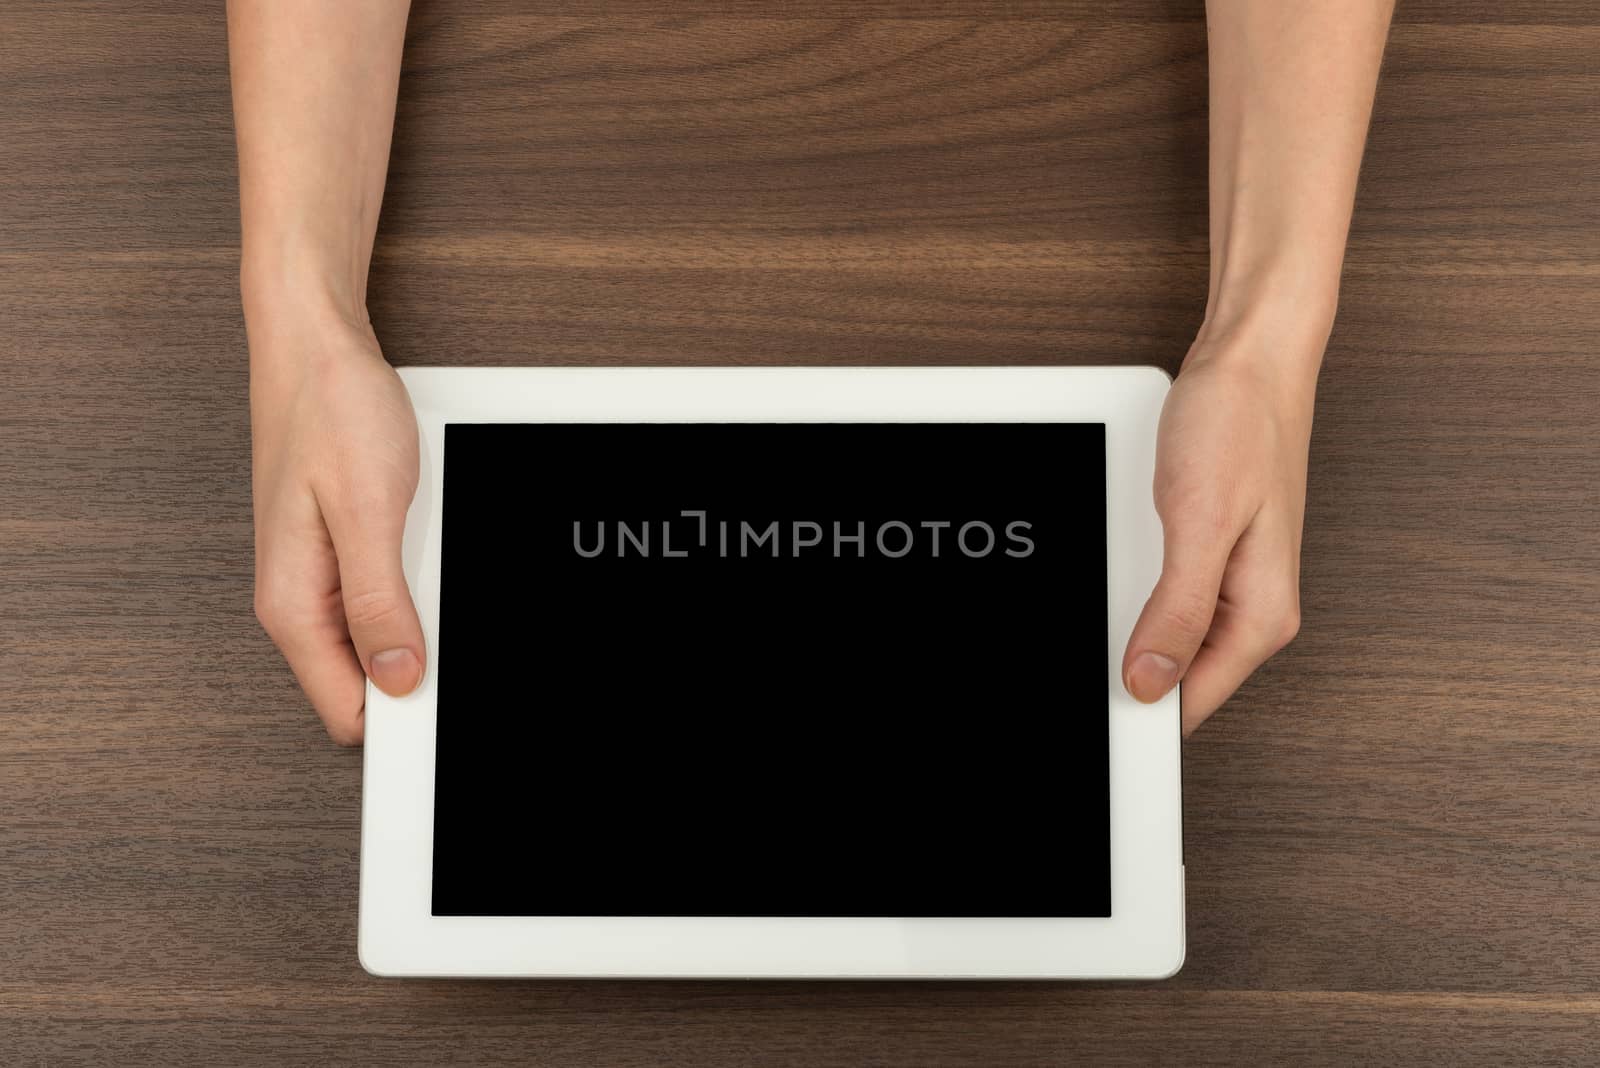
(1392, 832)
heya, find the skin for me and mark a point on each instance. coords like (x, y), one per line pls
(1291, 89)
(335, 442)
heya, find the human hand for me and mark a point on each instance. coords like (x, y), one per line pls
(334, 444)
(1230, 489)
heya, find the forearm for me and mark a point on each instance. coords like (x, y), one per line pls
(314, 96)
(1291, 96)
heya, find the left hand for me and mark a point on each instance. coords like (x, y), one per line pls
(1230, 488)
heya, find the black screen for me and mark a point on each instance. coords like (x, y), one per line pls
(773, 670)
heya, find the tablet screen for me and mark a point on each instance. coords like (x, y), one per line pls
(792, 669)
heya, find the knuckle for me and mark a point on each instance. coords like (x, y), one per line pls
(1198, 521)
(1193, 719)
(372, 609)
(379, 485)
(367, 519)
(1190, 613)
(1288, 627)
(1280, 621)
(269, 608)
(1196, 501)
(1214, 521)
(374, 499)
(345, 730)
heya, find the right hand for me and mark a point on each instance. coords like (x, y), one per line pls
(1230, 488)
(334, 444)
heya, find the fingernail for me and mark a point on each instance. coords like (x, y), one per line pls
(1151, 676)
(395, 671)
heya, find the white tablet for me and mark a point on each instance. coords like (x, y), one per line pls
(777, 672)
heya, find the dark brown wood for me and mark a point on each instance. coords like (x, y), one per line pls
(1393, 831)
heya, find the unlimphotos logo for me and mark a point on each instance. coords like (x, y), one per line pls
(892, 539)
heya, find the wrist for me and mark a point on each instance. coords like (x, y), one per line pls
(300, 282)
(1274, 281)
(1277, 323)
(303, 326)
(288, 305)
(1275, 342)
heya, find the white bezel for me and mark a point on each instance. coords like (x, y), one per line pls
(1143, 938)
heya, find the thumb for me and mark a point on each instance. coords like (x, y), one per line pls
(378, 609)
(1178, 614)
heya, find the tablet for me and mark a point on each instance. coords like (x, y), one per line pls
(777, 672)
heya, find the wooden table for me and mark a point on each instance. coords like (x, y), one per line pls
(1393, 830)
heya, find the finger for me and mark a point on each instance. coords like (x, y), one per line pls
(1180, 609)
(1258, 613)
(378, 609)
(298, 603)
(325, 665)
